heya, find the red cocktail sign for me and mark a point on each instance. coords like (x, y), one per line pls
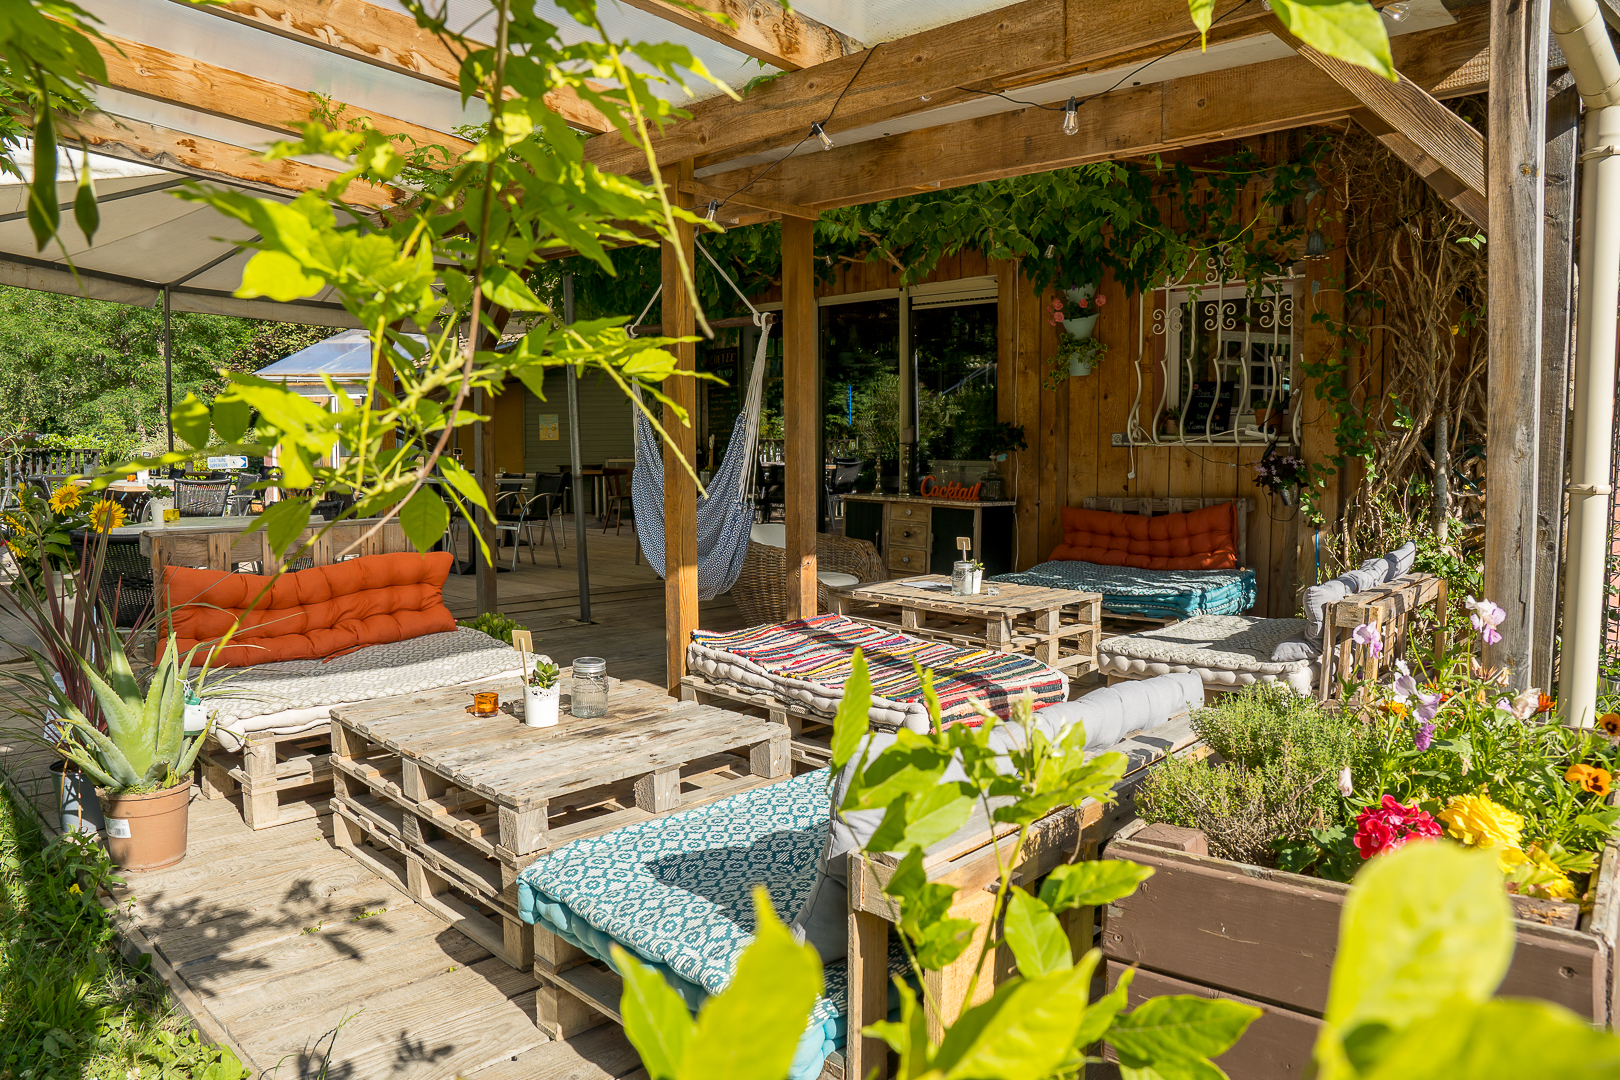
(933, 489)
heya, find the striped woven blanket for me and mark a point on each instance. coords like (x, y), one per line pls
(806, 664)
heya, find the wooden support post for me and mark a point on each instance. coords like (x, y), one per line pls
(680, 490)
(1518, 112)
(1323, 294)
(801, 406)
(865, 1056)
(1557, 344)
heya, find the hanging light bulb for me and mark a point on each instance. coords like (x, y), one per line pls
(1315, 245)
(1397, 12)
(826, 142)
(1051, 250)
(1071, 118)
(714, 205)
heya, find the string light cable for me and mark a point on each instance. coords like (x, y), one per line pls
(1071, 108)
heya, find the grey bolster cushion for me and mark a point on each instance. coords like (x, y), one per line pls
(1109, 714)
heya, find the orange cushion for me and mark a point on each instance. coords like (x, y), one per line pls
(311, 614)
(1197, 540)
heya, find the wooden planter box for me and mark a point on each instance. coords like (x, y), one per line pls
(1202, 925)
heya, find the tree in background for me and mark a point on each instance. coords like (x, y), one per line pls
(93, 370)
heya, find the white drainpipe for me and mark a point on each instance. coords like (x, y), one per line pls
(1579, 29)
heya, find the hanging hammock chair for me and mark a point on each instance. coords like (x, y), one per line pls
(726, 513)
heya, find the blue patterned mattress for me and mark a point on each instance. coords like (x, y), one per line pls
(677, 891)
(1160, 594)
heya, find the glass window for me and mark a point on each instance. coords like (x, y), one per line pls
(860, 349)
(956, 379)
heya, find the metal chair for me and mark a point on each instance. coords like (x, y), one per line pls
(841, 481)
(133, 502)
(551, 490)
(202, 498)
(242, 499)
(512, 516)
(615, 483)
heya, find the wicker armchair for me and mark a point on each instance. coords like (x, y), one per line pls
(761, 589)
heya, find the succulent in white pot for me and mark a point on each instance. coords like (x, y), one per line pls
(541, 694)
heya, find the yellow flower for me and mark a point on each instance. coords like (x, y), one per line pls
(67, 497)
(75, 890)
(1478, 821)
(106, 515)
(1534, 873)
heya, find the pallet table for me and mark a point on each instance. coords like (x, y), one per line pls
(1059, 627)
(449, 807)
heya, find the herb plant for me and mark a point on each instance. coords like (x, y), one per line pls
(494, 624)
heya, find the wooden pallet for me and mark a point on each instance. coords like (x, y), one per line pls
(268, 769)
(1059, 627)
(811, 732)
(451, 807)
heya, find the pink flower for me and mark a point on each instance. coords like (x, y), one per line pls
(1405, 686)
(1485, 619)
(1101, 300)
(1424, 738)
(1082, 303)
(1057, 303)
(1366, 635)
(1388, 826)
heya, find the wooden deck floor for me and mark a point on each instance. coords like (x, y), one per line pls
(293, 953)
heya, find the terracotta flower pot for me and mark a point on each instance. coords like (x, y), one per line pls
(147, 832)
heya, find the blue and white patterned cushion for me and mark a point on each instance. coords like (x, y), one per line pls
(677, 890)
(1166, 594)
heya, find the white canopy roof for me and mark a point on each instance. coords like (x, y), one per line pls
(149, 240)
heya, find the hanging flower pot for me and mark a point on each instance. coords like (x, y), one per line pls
(1078, 310)
(1075, 357)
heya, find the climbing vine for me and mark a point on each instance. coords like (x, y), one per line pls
(1409, 350)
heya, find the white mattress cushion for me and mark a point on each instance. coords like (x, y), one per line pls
(1224, 650)
(771, 534)
(836, 579)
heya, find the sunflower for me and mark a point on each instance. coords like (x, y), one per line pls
(106, 515)
(67, 497)
(1593, 780)
(1610, 723)
(1479, 821)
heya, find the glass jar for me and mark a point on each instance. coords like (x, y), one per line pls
(589, 696)
(965, 578)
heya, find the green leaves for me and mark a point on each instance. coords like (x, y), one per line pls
(1351, 30)
(1035, 935)
(424, 518)
(1088, 884)
(230, 418)
(1174, 1037)
(1023, 1032)
(192, 421)
(85, 211)
(1203, 13)
(749, 1032)
(924, 910)
(1424, 928)
(43, 212)
(284, 521)
(850, 724)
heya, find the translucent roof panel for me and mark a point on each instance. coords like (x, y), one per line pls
(874, 21)
(345, 356)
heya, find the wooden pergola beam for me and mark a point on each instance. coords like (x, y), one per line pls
(209, 159)
(166, 76)
(760, 28)
(1435, 174)
(748, 198)
(383, 37)
(1444, 149)
(1166, 116)
(1030, 42)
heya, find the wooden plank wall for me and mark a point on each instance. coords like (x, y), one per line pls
(1070, 456)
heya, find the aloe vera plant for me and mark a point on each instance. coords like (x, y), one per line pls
(144, 748)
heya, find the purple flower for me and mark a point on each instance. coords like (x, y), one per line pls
(1424, 737)
(1367, 635)
(1405, 685)
(1485, 619)
(1430, 706)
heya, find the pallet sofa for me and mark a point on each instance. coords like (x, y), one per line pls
(794, 673)
(370, 627)
(676, 890)
(1307, 655)
(1160, 560)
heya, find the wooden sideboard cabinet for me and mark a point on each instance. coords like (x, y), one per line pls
(917, 535)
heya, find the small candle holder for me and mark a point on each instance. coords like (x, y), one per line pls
(486, 703)
(170, 515)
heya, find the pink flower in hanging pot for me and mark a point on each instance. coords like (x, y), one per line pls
(1101, 300)
(1083, 303)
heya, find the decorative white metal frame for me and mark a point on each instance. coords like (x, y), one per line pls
(1257, 350)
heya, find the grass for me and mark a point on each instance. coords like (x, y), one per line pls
(70, 1005)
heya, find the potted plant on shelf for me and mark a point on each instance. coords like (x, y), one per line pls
(142, 762)
(541, 694)
(1170, 422)
(1000, 439)
(1075, 357)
